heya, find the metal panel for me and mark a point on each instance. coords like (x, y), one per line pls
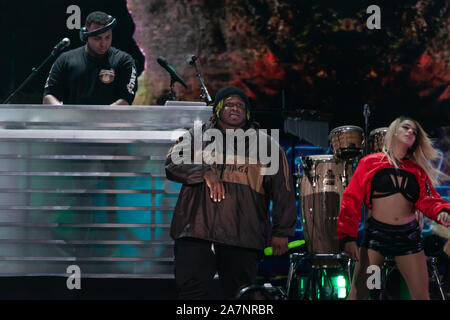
(86, 185)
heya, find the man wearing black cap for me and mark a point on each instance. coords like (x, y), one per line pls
(95, 73)
(220, 223)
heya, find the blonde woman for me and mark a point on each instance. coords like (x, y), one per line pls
(393, 184)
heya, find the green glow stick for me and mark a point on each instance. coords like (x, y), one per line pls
(297, 243)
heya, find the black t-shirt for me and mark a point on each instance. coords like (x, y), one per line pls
(79, 78)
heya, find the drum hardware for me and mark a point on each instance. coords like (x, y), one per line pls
(264, 292)
(435, 274)
(344, 175)
(307, 167)
(313, 281)
(389, 266)
(314, 284)
(314, 176)
(298, 175)
(366, 114)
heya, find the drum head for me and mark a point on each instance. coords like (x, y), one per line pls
(346, 141)
(345, 129)
(382, 130)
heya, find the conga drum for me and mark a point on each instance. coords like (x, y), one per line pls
(346, 141)
(322, 185)
(376, 139)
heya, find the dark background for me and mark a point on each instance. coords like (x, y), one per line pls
(31, 28)
(301, 55)
(321, 56)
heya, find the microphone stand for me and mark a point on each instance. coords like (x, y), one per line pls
(205, 96)
(34, 72)
(366, 113)
(172, 96)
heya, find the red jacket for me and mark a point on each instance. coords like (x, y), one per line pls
(358, 190)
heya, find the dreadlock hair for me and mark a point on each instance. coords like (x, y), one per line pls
(216, 114)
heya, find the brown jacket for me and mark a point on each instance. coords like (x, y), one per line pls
(243, 218)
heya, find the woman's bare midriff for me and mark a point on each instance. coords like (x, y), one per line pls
(395, 210)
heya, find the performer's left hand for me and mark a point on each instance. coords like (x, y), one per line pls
(444, 217)
(279, 245)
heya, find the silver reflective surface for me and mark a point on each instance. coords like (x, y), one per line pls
(86, 185)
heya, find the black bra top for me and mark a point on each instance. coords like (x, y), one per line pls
(389, 181)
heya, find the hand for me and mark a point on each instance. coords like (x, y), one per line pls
(279, 245)
(216, 188)
(351, 250)
(444, 218)
(120, 102)
(51, 99)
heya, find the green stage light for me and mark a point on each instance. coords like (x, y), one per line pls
(342, 293)
(341, 283)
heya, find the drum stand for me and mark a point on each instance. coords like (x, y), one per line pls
(435, 275)
(389, 266)
(314, 283)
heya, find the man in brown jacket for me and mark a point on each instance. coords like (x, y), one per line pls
(222, 216)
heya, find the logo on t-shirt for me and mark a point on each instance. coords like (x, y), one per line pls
(132, 83)
(107, 76)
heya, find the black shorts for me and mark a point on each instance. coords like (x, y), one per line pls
(393, 240)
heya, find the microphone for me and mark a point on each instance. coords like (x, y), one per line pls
(191, 60)
(173, 74)
(64, 43)
(366, 110)
(205, 96)
(61, 45)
